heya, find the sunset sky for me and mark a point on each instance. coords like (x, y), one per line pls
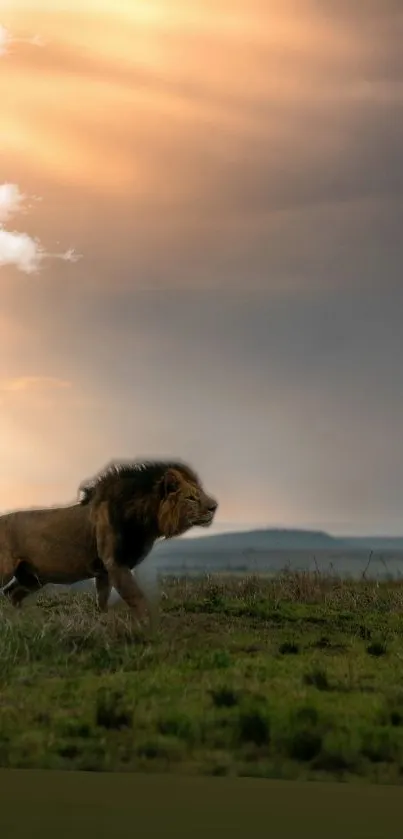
(231, 174)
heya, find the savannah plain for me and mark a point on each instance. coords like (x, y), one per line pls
(294, 677)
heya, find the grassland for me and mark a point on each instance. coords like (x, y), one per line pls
(299, 677)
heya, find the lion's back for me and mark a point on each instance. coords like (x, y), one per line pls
(47, 533)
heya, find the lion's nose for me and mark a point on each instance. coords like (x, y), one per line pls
(212, 505)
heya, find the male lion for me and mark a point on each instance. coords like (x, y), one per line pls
(120, 515)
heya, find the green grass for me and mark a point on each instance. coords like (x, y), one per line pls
(298, 677)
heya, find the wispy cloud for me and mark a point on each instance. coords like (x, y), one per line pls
(38, 390)
(6, 40)
(24, 252)
(20, 249)
(24, 383)
(11, 200)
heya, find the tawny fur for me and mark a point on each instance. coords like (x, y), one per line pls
(122, 512)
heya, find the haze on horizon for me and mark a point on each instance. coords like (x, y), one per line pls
(232, 174)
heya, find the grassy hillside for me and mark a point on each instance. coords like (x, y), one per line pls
(296, 677)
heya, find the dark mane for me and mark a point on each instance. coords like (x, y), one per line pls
(139, 475)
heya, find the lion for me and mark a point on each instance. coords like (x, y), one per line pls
(121, 513)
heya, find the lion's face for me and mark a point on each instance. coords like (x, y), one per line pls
(184, 504)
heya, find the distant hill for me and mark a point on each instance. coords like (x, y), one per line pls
(278, 540)
(254, 540)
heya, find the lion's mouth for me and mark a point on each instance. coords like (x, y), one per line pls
(205, 520)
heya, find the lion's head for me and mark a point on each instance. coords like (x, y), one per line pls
(183, 502)
(167, 497)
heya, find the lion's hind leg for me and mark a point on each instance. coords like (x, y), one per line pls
(15, 593)
(23, 583)
(8, 565)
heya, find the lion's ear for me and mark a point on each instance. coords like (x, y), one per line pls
(170, 482)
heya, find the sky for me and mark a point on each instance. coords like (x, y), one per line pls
(201, 252)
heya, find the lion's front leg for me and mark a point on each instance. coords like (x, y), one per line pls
(103, 589)
(123, 581)
(120, 576)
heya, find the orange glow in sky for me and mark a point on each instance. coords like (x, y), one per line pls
(193, 150)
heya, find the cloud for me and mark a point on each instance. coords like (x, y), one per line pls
(11, 200)
(24, 383)
(6, 39)
(19, 249)
(26, 253)
(39, 390)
